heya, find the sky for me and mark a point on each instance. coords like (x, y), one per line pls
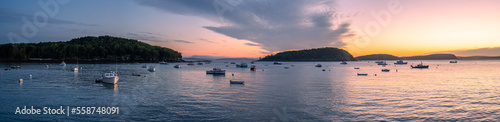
(256, 28)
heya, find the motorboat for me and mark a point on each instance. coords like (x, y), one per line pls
(356, 67)
(216, 71)
(144, 66)
(455, 61)
(15, 67)
(177, 66)
(343, 62)
(75, 69)
(190, 63)
(236, 82)
(164, 63)
(200, 63)
(63, 63)
(110, 77)
(383, 63)
(318, 65)
(151, 69)
(232, 63)
(386, 70)
(421, 65)
(242, 65)
(286, 67)
(362, 74)
(276, 63)
(401, 62)
(252, 68)
(378, 62)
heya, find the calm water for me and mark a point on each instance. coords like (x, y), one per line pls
(467, 91)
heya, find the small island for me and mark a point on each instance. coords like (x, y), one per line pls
(317, 54)
(88, 49)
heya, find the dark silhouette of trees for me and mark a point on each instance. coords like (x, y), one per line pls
(318, 54)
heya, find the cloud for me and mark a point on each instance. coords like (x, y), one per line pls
(277, 25)
(206, 40)
(252, 44)
(14, 17)
(182, 41)
(493, 51)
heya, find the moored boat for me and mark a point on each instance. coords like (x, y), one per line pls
(455, 61)
(177, 66)
(216, 71)
(386, 70)
(318, 65)
(151, 69)
(236, 82)
(252, 68)
(276, 63)
(343, 62)
(400, 62)
(242, 65)
(111, 77)
(63, 63)
(421, 65)
(362, 74)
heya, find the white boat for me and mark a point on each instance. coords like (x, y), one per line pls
(63, 63)
(318, 65)
(177, 66)
(242, 65)
(455, 61)
(110, 77)
(144, 66)
(421, 65)
(386, 70)
(216, 71)
(163, 62)
(151, 69)
(75, 69)
(343, 62)
(401, 62)
(236, 82)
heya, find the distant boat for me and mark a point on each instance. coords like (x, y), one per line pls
(15, 67)
(242, 65)
(382, 63)
(190, 63)
(276, 63)
(378, 62)
(343, 62)
(252, 62)
(63, 63)
(232, 63)
(151, 69)
(177, 66)
(401, 62)
(421, 65)
(75, 69)
(362, 74)
(356, 67)
(144, 66)
(110, 77)
(287, 67)
(236, 82)
(385, 70)
(163, 62)
(318, 65)
(216, 71)
(455, 61)
(252, 68)
(200, 63)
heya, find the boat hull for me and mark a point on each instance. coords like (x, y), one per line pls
(236, 82)
(216, 72)
(111, 80)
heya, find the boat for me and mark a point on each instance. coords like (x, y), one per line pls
(356, 67)
(252, 62)
(362, 74)
(144, 66)
(386, 70)
(63, 63)
(378, 62)
(216, 71)
(401, 62)
(236, 82)
(343, 62)
(232, 63)
(252, 68)
(318, 65)
(190, 63)
(455, 61)
(75, 69)
(151, 69)
(163, 62)
(421, 65)
(276, 63)
(287, 67)
(383, 63)
(242, 65)
(177, 66)
(200, 63)
(15, 67)
(110, 77)
(6, 69)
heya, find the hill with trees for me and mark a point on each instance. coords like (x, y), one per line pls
(378, 57)
(318, 54)
(89, 48)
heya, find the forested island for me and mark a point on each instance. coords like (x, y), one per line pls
(317, 54)
(88, 49)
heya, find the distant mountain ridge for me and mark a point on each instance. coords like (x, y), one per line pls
(392, 57)
(317, 54)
